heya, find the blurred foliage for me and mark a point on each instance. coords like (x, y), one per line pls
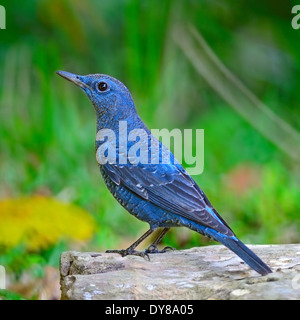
(47, 126)
(9, 295)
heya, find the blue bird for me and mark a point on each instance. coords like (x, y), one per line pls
(162, 194)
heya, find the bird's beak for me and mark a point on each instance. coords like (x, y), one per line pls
(78, 80)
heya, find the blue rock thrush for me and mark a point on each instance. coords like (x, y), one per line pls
(161, 194)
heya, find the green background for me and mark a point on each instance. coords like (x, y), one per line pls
(47, 126)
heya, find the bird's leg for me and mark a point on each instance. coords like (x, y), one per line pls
(131, 250)
(153, 247)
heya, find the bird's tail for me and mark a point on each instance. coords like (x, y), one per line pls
(243, 252)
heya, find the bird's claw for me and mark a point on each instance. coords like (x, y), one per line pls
(128, 252)
(153, 249)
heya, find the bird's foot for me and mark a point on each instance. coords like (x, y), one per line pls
(153, 249)
(130, 252)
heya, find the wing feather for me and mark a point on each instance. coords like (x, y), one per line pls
(170, 188)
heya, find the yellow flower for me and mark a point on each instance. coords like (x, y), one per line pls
(39, 221)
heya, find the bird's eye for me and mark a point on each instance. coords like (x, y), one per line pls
(102, 86)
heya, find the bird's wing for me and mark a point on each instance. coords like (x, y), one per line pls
(169, 187)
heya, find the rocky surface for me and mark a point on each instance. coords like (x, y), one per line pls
(211, 272)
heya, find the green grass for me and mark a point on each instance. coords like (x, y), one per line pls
(9, 295)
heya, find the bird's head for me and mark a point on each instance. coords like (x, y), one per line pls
(110, 97)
